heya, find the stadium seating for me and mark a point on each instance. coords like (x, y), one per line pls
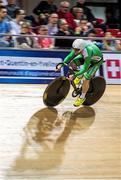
(114, 32)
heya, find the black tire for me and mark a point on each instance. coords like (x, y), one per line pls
(56, 91)
(96, 90)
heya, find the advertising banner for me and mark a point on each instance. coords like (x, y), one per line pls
(26, 68)
(112, 68)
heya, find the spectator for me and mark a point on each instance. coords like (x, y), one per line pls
(118, 45)
(19, 15)
(91, 35)
(32, 20)
(11, 7)
(64, 30)
(109, 45)
(42, 19)
(84, 28)
(8, 18)
(43, 7)
(53, 24)
(63, 12)
(5, 28)
(87, 11)
(26, 42)
(111, 19)
(78, 14)
(44, 42)
(90, 17)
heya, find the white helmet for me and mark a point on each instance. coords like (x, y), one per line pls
(80, 44)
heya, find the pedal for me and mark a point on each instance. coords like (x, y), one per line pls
(76, 92)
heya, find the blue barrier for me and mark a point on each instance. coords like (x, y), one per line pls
(38, 66)
(25, 66)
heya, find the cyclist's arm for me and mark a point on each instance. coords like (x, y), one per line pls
(69, 57)
(79, 56)
(84, 67)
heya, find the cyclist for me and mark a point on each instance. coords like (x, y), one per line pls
(88, 55)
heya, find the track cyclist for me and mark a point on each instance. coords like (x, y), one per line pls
(87, 58)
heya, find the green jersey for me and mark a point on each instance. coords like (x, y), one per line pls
(90, 55)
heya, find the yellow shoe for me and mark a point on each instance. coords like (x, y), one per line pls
(79, 101)
(77, 81)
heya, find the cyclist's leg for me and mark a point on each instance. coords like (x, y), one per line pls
(89, 74)
(85, 85)
(77, 80)
(92, 70)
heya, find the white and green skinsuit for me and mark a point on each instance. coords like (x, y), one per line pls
(91, 57)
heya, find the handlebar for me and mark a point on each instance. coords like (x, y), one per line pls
(62, 65)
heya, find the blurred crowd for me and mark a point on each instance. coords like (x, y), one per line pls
(26, 31)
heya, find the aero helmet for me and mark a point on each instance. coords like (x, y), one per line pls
(79, 44)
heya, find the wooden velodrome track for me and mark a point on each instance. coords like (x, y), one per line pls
(62, 143)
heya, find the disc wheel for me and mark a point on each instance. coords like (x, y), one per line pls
(96, 90)
(56, 91)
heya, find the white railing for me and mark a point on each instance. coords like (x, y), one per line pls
(56, 37)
